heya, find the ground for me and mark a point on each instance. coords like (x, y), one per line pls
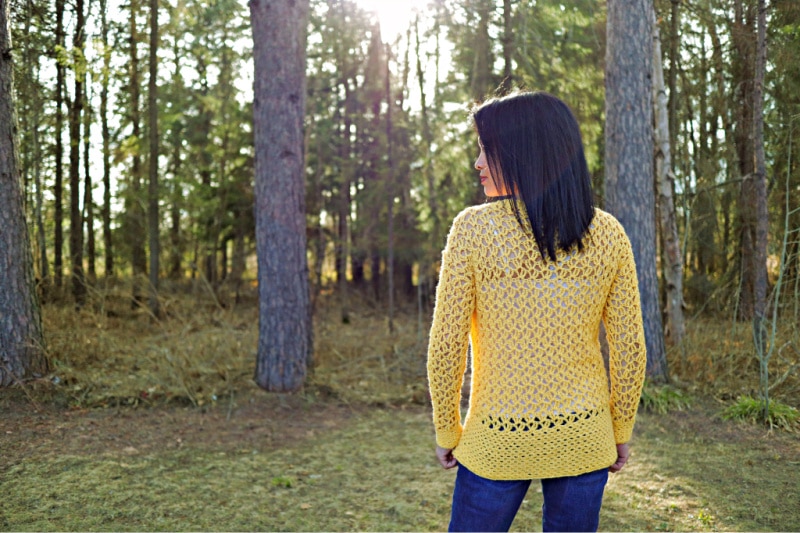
(300, 462)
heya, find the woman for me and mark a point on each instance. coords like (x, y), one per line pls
(527, 278)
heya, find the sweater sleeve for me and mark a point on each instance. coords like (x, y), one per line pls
(449, 337)
(627, 351)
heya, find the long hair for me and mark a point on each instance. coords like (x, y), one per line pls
(534, 151)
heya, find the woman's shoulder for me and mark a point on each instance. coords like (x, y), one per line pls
(605, 221)
(475, 214)
(607, 230)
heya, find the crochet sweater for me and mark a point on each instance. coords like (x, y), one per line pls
(541, 404)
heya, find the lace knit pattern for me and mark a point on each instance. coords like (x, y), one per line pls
(541, 404)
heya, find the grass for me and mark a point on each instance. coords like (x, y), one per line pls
(750, 409)
(351, 481)
(663, 398)
(718, 359)
(353, 451)
(375, 471)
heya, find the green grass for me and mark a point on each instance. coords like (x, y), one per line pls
(751, 410)
(663, 399)
(373, 475)
(377, 472)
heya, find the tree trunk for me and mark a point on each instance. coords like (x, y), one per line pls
(391, 192)
(345, 166)
(44, 266)
(75, 219)
(433, 246)
(58, 187)
(279, 106)
(760, 179)
(21, 343)
(743, 70)
(208, 235)
(672, 267)
(481, 83)
(135, 208)
(107, 242)
(508, 46)
(239, 254)
(674, 47)
(629, 156)
(152, 196)
(176, 203)
(88, 201)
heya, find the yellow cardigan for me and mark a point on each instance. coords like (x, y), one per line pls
(540, 404)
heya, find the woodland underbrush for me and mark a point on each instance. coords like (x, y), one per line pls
(718, 358)
(202, 351)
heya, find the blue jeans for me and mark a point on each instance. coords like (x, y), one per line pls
(570, 503)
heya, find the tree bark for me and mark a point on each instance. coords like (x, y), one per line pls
(672, 267)
(75, 218)
(36, 103)
(629, 155)
(278, 110)
(58, 187)
(108, 246)
(209, 237)
(88, 200)
(391, 192)
(743, 70)
(135, 209)
(21, 342)
(674, 46)
(176, 203)
(760, 179)
(152, 196)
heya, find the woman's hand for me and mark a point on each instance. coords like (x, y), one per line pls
(445, 456)
(623, 452)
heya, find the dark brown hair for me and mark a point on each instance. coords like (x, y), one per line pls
(534, 151)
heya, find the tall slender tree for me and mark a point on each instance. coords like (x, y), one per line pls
(508, 45)
(108, 248)
(58, 187)
(760, 179)
(481, 81)
(279, 106)
(630, 195)
(76, 111)
(743, 38)
(21, 341)
(672, 267)
(152, 196)
(134, 198)
(390, 157)
(88, 189)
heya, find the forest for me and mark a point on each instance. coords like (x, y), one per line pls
(147, 299)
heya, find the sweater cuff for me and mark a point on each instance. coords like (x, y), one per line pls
(623, 431)
(449, 438)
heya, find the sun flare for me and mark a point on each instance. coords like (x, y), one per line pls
(394, 16)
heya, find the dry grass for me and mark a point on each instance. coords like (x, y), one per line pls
(216, 453)
(109, 354)
(202, 353)
(718, 358)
